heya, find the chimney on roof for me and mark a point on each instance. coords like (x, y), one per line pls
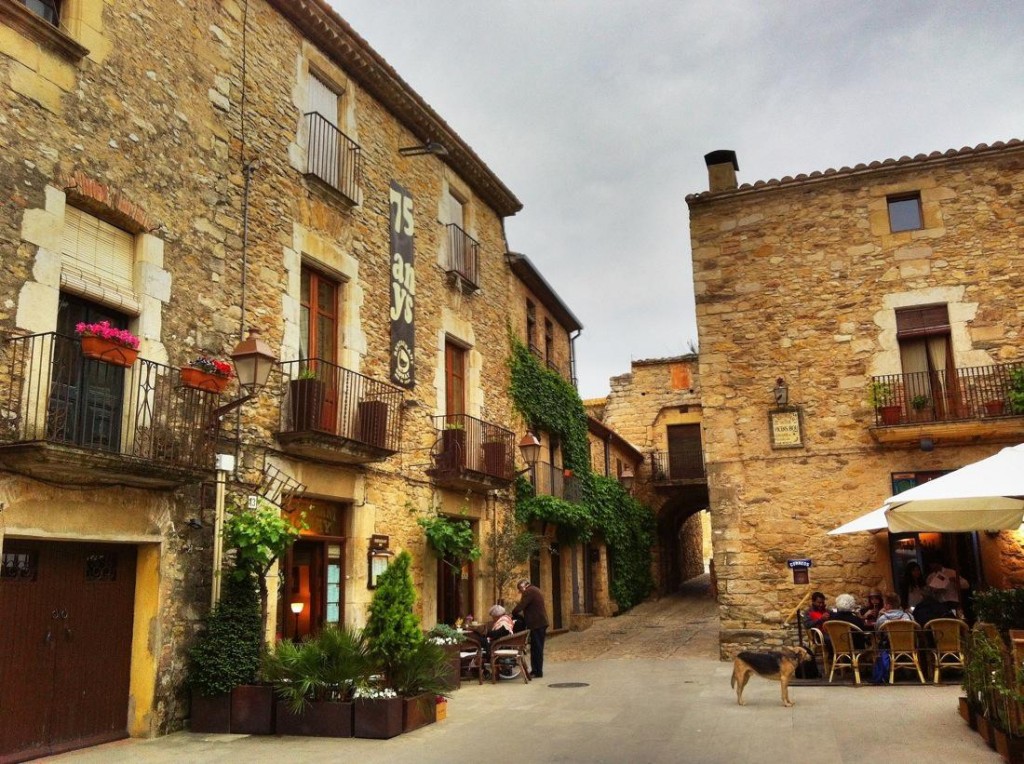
(722, 167)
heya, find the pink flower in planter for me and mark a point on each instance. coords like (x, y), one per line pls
(105, 331)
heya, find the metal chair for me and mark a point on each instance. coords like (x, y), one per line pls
(510, 647)
(471, 655)
(904, 652)
(948, 638)
(846, 653)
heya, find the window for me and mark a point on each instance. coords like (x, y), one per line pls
(531, 324)
(456, 210)
(98, 261)
(549, 341)
(331, 155)
(455, 380)
(905, 213)
(47, 9)
(930, 382)
(318, 316)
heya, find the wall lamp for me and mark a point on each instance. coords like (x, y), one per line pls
(781, 392)
(253, 360)
(627, 477)
(430, 147)
(529, 447)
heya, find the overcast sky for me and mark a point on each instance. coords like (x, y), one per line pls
(597, 115)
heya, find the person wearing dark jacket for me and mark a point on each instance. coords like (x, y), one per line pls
(534, 613)
(932, 606)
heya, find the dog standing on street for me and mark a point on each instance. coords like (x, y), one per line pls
(779, 665)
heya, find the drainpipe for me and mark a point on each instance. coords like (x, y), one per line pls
(572, 356)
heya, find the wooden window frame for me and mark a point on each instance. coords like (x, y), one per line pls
(313, 312)
(455, 361)
(899, 199)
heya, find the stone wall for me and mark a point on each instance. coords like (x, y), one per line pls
(800, 279)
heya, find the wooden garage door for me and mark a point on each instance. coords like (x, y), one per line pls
(65, 645)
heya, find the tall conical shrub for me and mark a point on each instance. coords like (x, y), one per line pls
(227, 653)
(392, 629)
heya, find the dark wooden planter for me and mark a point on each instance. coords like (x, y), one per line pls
(420, 711)
(453, 450)
(496, 459)
(453, 678)
(322, 719)
(378, 719)
(373, 423)
(1009, 747)
(210, 713)
(987, 730)
(252, 709)
(307, 403)
(967, 712)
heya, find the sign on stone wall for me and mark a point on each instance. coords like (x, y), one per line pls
(403, 289)
(785, 428)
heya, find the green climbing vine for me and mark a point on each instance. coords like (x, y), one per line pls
(549, 402)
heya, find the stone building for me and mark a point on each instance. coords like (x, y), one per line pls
(859, 334)
(189, 171)
(657, 408)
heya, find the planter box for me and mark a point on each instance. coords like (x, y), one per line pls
(202, 380)
(496, 459)
(252, 709)
(890, 414)
(420, 711)
(1009, 747)
(968, 713)
(453, 678)
(994, 408)
(373, 423)
(316, 720)
(453, 450)
(986, 730)
(100, 349)
(210, 713)
(378, 719)
(306, 401)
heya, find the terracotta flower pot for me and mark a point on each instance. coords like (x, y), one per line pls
(108, 351)
(994, 407)
(203, 380)
(890, 414)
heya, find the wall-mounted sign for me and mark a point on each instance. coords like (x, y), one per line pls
(786, 428)
(801, 570)
(403, 289)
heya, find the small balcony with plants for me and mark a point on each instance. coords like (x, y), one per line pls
(337, 415)
(333, 158)
(553, 480)
(982, 402)
(88, 410)
(471, 454)
(463, 258)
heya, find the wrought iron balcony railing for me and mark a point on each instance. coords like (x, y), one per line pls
(321, 397)
(333, 157)
(50, 393)
(684, 462)
(463, 255)
(551, 480)
(980, 392)
(468, 443)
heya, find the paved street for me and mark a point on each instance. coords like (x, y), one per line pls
(654, 692)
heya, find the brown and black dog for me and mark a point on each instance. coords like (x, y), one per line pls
(780, 664)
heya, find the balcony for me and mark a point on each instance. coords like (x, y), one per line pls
(333, 157)
(968, 405)
(471, 454)
(684, 464)
(551, 480)
(337, 415)
(70, 419)
(463, 258)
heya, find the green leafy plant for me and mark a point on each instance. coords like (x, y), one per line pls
(1016, 391)
(1003, 608)
(452, 540)
(511, 547)
(918, 402)
(259, 537)
(443, 634)
(422, 669)
(226, 653)
(327, 667)
(392, 628)
(307, 373)
(882, 394)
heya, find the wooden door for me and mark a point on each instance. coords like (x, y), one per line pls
(318, 341)
(556, 590)
(65, 649)
(684, 452)
(455, 382)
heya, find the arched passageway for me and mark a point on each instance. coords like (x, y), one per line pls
(681, 538)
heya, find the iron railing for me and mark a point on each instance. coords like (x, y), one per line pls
(971, 393)
(467, 443)
(326, 398)
(463, 255)
(333, 157)
(49, 392)
(552, 480)
(684, 462)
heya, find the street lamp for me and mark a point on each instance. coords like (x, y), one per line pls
(529, 447)
(626, 478)
(297, 608)
(253, 361)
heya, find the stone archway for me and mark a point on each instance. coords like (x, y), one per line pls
(680, 538)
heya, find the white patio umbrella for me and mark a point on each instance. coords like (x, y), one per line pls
(986, 495)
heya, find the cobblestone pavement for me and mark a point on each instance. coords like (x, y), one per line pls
(683, 625)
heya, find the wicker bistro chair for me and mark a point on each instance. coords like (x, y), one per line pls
(512, 646)
(471, 655)
(819, 650)
(848, 649)
(948, 638)
(904, 652)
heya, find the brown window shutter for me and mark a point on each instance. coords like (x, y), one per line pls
(922, 321)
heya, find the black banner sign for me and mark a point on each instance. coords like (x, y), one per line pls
(403, 289)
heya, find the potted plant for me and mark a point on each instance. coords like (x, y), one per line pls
(448, 638)
(307, 393)
(372, 422)
(419, 676)
(994, 407)
(1016, 391)
(921, 408)
(377, 712)
(886, 399)
(225, 655)
(103, 342)
(496, 461)
(315, 680)
(453, 446)
(205, 373)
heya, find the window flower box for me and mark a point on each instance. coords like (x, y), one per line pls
(103, 342)
(207, 374)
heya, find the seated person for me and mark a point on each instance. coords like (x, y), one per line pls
(873, 609)
(818, 614)
(892, 610)
(932, 606)
(845, 604)
(501, 624)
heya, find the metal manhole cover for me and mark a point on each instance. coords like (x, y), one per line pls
(569, 684)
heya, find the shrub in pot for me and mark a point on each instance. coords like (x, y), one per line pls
(419, 677)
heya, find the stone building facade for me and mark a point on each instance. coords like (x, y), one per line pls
(657, 408)
(846, 293)
(191, 171)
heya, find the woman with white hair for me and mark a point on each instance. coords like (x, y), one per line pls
(501, 623)
(846, 611)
